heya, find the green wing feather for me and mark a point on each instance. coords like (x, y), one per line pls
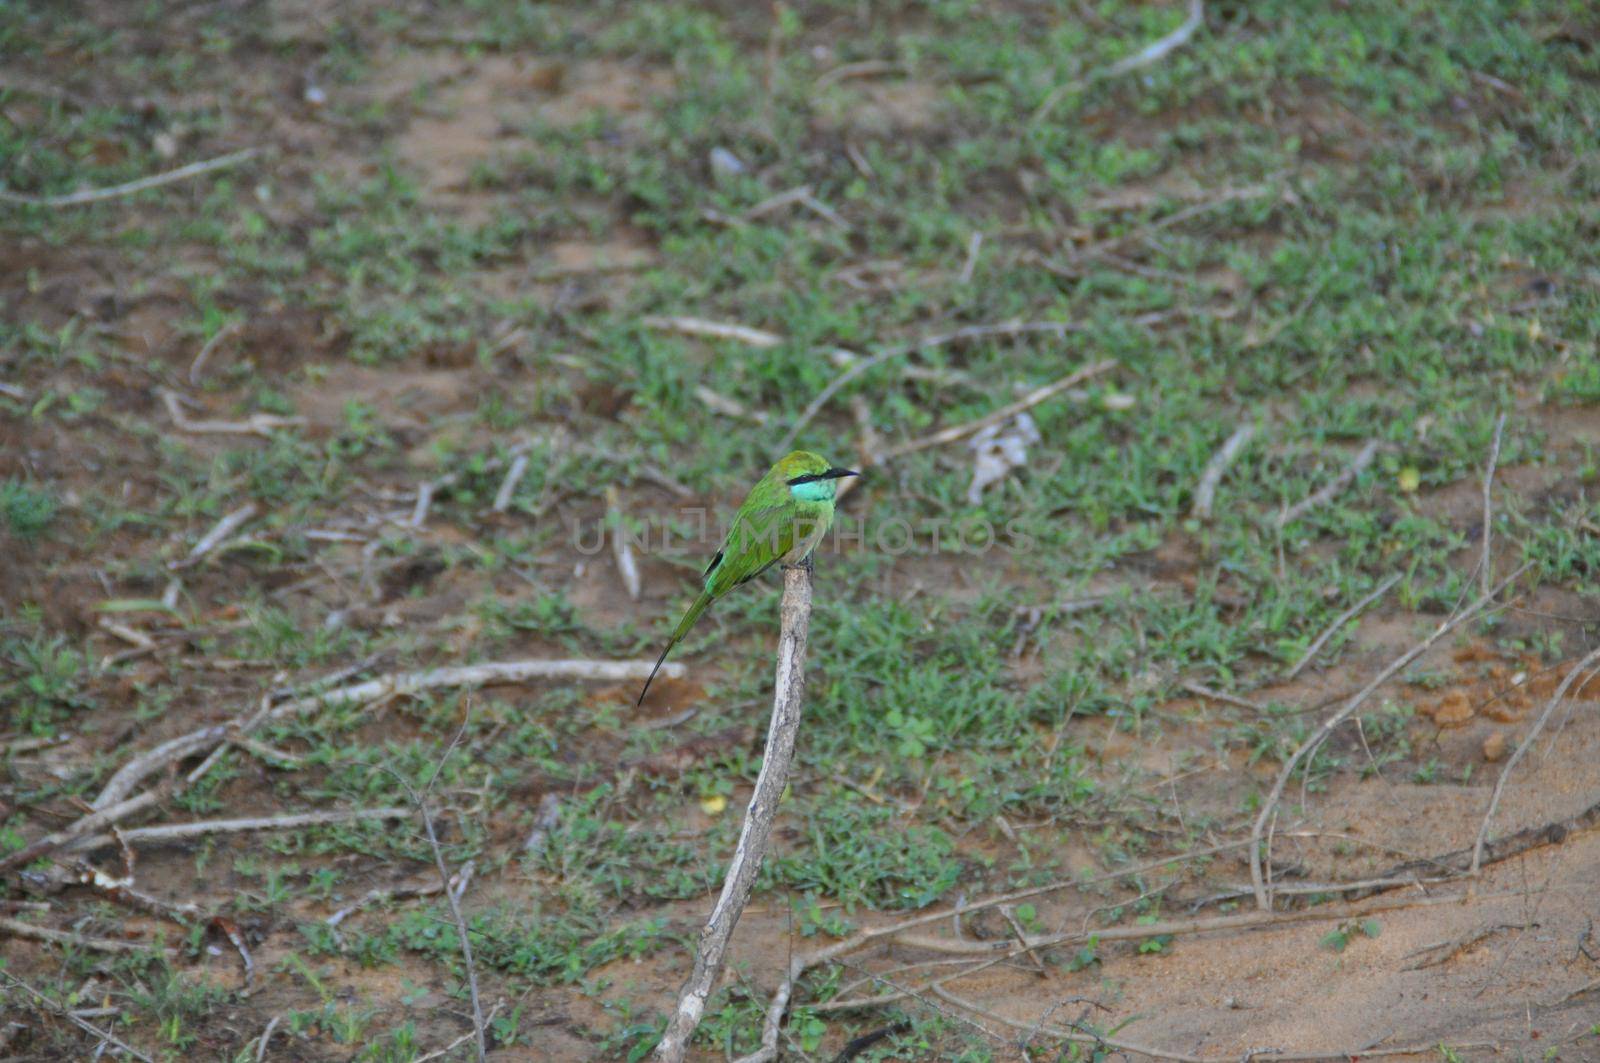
(759, 536)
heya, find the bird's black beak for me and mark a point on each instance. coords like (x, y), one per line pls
(835, 474)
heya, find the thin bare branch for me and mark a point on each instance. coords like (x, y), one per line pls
(719, 403)
(66, 1013)
(1338, 624)
(1329, 491)
(1205, 494)
(1003, 414)
(1486, 566)
(621, 544)
(1153, 52)
(95, 195)
(170, 832)
(508, 485)
(17, 928)
(141, 767)
(213, 538)
(445, 881)
(257, 424)
(404, 683)
(1270, 806)
(197, 366)
(717, 330)
(788, 700)
(1583, 665)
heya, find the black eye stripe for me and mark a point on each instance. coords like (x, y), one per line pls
(809, 478)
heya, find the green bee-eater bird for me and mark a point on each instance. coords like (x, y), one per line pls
(782, 518)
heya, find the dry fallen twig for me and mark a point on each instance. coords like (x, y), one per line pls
(1269, 807)
(508, 486)
(257, 424)
(1153, 52)
(1331, 489)
(95, 195)
(1486, 566)
(800, 963)
(105, 817)
(719, 403)
(1205, 494)
(206, 349)
(1588, 660)
(788, 700)
(1338, 623)
(457, 884)
(213, 538)
(717, 330)
(445, 884)
(403, 683)
(169, 832)
(141, 767)
(1003, 414)
(67, 1013)
(17, 928)
(621, 544)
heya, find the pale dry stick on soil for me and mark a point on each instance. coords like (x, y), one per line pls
(95, 195)
(364, 692)
(1003, 414)
(622, 543)
(445, 879)
(1205, 494)
(458, 884)
(82, 1024)
(1122, 1046)
(802, 962)
(867, 68)
(974, 246)
(1142, 932)
(131, 774)
(440, 1053)
(402, 683)
(1216, 202)
(257, 424)
(1200, 690)
(1338, 624)
(1153, 52)
(17, 928)
(105, 817)
(266, 1038)
(774, 203)
(1329, 491)
(207, 349)
(788, 701)
(855, 366)
(719, 403)
(716, 330)
(508, 485)
(992, 953)
(225, 527)
(1588, 660)
(169, 832)
(1269, 807)
(1486, 566)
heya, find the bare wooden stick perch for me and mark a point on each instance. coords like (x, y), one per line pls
(787, 700)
